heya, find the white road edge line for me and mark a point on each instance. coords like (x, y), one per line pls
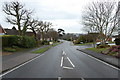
(61, 62)
(102, 61)
(59, 78)
(20, 65)
(82, 78)
(67, 67)
(70, 62)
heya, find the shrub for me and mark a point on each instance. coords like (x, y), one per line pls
(69, 39)
(26, 42)
(77, 42)
(45, 42)
(117, 41)
(115, 51)
(19, 41)
(103, 46)
(9, 40)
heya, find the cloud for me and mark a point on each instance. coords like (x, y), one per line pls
(64, 13)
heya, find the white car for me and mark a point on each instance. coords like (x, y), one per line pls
(99, 43)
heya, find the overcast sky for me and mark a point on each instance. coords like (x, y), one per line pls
(65, 14)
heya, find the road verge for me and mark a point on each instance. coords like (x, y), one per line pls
(105, 58)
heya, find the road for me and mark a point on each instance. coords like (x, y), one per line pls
(63, 61)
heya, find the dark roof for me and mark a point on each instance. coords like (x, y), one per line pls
(29, 33)
(11, 32)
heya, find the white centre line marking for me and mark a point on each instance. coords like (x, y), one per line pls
(67, 67)
(63, 53)
(82, 78)
(102, 62)
(61, 62)
(59, 78)
(70, 62)
(20, 65)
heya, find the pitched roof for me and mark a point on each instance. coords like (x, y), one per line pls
(2, 30)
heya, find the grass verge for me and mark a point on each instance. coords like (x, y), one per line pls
(98, 50)
(83, 44)
(44, 49)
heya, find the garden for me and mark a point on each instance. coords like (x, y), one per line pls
(108, 50)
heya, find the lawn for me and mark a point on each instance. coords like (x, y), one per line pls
(98, 50)
(45, 49)
(41, 50)
(15, 49)
(84, 44)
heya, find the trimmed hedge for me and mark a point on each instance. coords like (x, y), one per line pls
(20, 41)
(9, 40)
(27, 42)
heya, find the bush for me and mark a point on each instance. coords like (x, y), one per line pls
(115, 50)
(19, 41)
(77, 42)
(9, 40)
(117, 41)
(45, 42)
(68, 39)
(26, 42)
(103, 46)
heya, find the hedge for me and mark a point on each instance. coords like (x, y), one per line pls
(9, 40)
(27, 42)
(117, 41)
(20, 41)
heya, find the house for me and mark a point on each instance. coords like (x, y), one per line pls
(12, 31)
(29, 33)
(2, 31)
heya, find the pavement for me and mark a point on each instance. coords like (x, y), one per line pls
(17, 58)
(63, 61)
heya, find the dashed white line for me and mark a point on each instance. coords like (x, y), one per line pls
(63, 53)
(82, 78)
(102, 61)
(61, 62)
(59, 78)
(70, 62)
(20, 65)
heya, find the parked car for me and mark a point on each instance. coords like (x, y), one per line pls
(99, 43)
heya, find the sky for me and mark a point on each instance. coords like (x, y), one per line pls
(65, 14)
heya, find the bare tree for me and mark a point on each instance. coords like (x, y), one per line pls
(33, 26)
(52, 34)
(47, 26)
(17, 15)
(44, 27)
(101, 17)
